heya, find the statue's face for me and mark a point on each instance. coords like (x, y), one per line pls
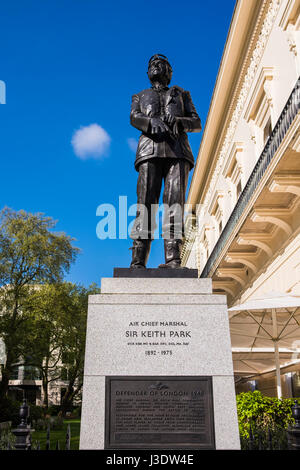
(158, 71)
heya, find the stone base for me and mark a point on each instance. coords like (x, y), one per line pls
(164, 327)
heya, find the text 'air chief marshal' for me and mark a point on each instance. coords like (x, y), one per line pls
(164, 115)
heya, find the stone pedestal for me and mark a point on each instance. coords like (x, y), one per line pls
(148, 339)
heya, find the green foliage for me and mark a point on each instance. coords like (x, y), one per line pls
(43, 319)
(29, 251)
(56, 340)
(7, 440)
(58, 435)
(55, 423)
(76, 413)
(53, 410)
(9, 410)
(31, 254)
(36, 412)
(262, 413)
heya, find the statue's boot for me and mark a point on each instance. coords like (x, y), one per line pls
(140, 253)
(172, 254)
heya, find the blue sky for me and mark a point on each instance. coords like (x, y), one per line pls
(72, 63)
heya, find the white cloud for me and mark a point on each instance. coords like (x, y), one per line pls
(132, 144)
(90, 142)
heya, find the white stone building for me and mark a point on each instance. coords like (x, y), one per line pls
(243, 230)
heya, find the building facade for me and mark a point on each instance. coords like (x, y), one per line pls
(243, 229)
(28, 378)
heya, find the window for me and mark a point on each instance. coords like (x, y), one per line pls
(14, 375)
(216, 212)
(63, 391)
(67, 358)
(64, 374)
(234, 171)
(31, 373)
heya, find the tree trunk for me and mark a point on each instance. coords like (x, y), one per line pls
(45, 383)
(4, 382)
(45, 393)
(67, 400)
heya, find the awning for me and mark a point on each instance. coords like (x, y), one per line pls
(272, 300)
(271, 321)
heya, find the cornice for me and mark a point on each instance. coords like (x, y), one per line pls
(248, 56)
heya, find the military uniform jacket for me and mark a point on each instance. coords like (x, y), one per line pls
(152, 103)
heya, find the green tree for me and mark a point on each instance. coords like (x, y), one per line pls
(44, 339)
(74, 336)
(30, 254)
(57, 337)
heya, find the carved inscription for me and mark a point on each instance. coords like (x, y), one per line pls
(158, 338)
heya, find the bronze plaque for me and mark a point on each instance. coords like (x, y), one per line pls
(159, 412)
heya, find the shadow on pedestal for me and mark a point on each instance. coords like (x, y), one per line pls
(156, 272)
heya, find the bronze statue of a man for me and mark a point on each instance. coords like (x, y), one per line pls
(164, 115)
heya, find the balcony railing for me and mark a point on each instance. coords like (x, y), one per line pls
(284, 122)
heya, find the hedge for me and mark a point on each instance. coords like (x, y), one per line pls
(261, 412)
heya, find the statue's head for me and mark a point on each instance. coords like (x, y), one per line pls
(159, 69)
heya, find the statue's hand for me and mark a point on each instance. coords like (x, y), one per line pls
(177, 127)
(169, 119)
(174, 125)
(158, 126)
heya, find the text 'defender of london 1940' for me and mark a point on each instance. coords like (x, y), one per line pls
(159, 412)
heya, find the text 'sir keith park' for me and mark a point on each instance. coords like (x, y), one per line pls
(164, 115)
